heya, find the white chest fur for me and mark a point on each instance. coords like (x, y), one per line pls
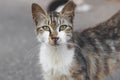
(56, 60)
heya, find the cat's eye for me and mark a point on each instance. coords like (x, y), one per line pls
(63, 27)
(46, 28)
(69, 29)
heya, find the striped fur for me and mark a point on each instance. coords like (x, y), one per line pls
(88, 55)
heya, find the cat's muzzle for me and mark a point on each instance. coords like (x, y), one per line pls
(54, 41)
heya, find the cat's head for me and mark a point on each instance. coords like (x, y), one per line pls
(54, 28)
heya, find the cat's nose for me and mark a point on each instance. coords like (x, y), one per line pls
(55, 38)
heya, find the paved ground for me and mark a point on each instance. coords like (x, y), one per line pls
(18, 44)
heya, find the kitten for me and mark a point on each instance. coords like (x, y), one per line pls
(66, 55)
(58, 5)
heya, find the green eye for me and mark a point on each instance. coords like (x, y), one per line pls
(63, 27)
(69, 29)
(46, 28)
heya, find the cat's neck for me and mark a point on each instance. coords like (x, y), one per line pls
(56, 57)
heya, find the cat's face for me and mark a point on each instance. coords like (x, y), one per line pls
(54, 28)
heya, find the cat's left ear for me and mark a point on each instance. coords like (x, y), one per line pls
(38, 13)
(69, 9)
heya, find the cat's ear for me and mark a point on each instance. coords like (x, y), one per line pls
(37, 12)
(69, 9)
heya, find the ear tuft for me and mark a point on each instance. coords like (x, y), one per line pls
(69, 8)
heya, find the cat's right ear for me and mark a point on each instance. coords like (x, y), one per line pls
(37, 13)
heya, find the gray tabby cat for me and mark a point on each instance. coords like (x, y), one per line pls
(66, 55)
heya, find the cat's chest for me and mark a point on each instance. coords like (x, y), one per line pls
(56, 61)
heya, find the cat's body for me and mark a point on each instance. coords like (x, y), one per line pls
(64, 55)
(101, 47)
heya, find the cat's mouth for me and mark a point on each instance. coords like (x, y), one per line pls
(54, 43)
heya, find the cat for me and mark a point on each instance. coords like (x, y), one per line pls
(57, 5)
(91, 54)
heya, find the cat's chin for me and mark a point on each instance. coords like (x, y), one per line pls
(55, 45)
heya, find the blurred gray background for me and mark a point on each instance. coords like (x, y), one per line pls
(18, 44)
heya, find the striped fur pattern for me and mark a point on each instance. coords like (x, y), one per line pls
(66, 55)
(100, 46)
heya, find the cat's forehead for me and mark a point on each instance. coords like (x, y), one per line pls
(54, 14)
(57, 18)
(54, 19)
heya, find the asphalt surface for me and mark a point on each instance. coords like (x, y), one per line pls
(18, 44)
